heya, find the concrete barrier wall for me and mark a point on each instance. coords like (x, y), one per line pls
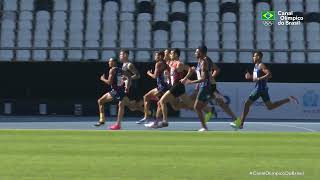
(62, 85)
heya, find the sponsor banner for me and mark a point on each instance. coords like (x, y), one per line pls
(235, 93)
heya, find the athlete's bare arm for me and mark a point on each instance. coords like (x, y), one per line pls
(248, 76)
(156, 71)
(185, 67)
(266, 71)
(215, 71)
(110, 78)
(135, 72)
(190, 72)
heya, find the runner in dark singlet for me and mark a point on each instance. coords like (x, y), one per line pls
(261, 75)
(117, 89)
(162, 85)
(206, 72)
(130, 76)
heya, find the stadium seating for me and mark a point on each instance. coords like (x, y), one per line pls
(98, 24)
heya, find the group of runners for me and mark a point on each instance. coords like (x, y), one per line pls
(172, 75)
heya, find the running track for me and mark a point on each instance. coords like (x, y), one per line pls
(175, 124)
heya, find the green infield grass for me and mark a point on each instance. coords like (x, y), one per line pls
(148, 155)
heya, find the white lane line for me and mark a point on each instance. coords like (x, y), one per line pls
(281, 124)
(291, 126)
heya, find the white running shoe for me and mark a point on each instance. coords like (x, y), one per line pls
(143, 121)
(232, 124)
(235, 126)
(149, 125)
(202, 129)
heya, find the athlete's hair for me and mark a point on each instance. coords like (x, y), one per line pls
(259, 53)
(177, 51)
(125, 51)
(161, 53)
(203, 49)
(114, 59)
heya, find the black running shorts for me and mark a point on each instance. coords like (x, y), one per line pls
(177, 89)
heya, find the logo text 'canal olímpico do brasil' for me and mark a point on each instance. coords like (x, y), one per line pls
(284, 18)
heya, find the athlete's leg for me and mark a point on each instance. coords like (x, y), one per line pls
(176, 104)
(121, 105)
(146, 99)
(146, 105)
(193, 97)
(135, 105)
(120, 112)
(117, 125)
(201, 102)
(173, 101)
(255, 94)
(198, 107)
(226, 108)
(159, 112)
(246, 110)
(167, 97)
(187, 102)
(101, 101)
(158, 116)
(218, 97)
(273, 105)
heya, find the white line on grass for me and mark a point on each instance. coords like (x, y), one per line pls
(291, 126)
